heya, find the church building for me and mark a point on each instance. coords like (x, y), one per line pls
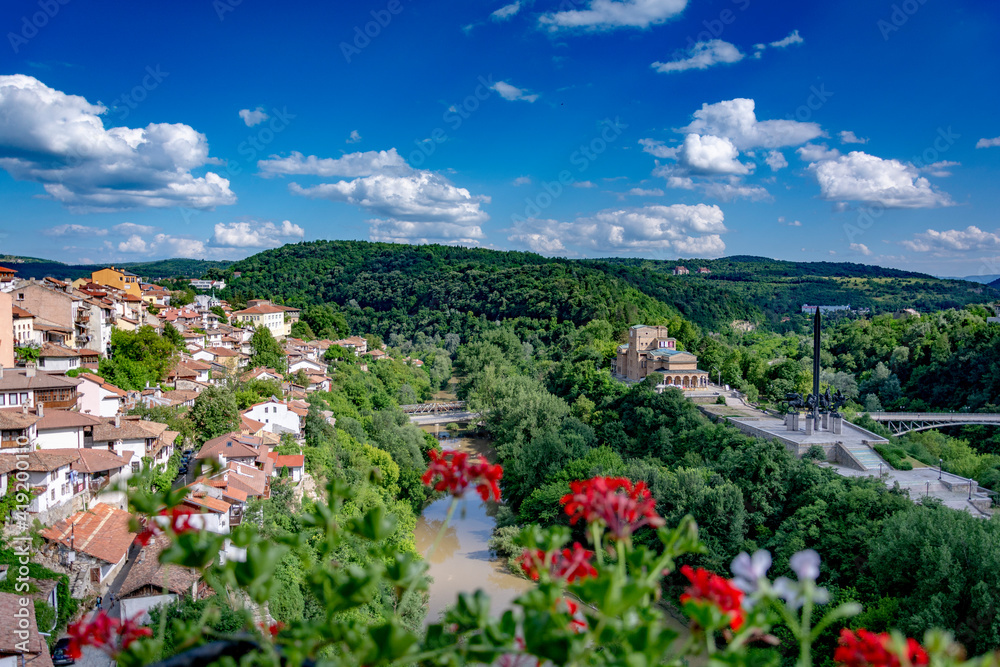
(651, 350)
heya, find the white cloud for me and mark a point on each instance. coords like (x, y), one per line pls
(735, 190)
(506, 12)
(736, 120)
(404, 231)
(952, 241)
(419, 196)
(793, 38)
(680, 228)
(817, 152)
(941, 168)
(861, 248)
(659, 149)
(521, 180)
(858, 176)
(60, 141)
(776, 160)
(513, 93)
(164, 245)
(710, 155)
(254, 234)
(353, 138)
(351, 165)
(988, 143)
(643, 192)
(702, 56)
(585, 184)
(128, 228)
(793, 223)
(614, 14)
(848, 137)
(700, 163)
(74, 230)
(255, 117)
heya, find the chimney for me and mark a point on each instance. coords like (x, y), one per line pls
(1, 371)
(29, 370)
(41, 409)
(24, 408)
(118, 420)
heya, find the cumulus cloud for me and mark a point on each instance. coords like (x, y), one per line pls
(255, 234)
(614, 14)
(420, 196)
(164, 245)
(521, 180)
(679, 228)
(776, 160)
(708, 163)
(506, 12)
(848, 137)
(406, 231)
(953, 241)
(710, 155)
(861, 248)
(702, 56)
(353, 138)
(643, 192)
(859, 176)
(817, 152)
(74, 230)
(351, 165)
(255, 117)
(60, 141)
(513, 93)
(941, 168)
(737, 121)
(988, 143)
(657, 148)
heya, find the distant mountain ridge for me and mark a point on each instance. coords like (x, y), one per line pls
(34, 267)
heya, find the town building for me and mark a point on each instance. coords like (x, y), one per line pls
(27, 387)
(151, 584)
(121, 279)
(99, 397)
(279, 417)
(681, 271)
(651, 350)
(263, 313)
(92, 546)
(21, 644)
(8, 333)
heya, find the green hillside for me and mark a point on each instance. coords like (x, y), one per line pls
(403, 288)
(33, 267)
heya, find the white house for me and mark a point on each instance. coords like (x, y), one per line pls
(294, 462)
(27, 386)
(99, 397)
(307, 365)
(133, 438)
(64, 429)
(277, 416)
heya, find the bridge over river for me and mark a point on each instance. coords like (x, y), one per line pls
(905, 422)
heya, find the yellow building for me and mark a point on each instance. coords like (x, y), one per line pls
(651, 350)
(119, 279)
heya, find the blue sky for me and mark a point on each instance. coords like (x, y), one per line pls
(852, 131)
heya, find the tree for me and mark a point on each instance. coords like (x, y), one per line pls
(218, 310)
(266, 351)
(27, 354)
(214, 413)
(325, 321)
(302, 330)
(171, 333)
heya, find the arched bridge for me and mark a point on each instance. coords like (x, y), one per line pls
(905, 422)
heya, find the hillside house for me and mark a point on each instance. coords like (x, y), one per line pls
(150, 584)
(92, 545)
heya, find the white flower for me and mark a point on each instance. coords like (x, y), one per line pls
(750, 570)
(805, 564)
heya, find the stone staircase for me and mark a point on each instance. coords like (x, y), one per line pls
(865, 456)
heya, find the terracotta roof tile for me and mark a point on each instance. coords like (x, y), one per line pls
(101, 532)
(38, 652)
(147, 571)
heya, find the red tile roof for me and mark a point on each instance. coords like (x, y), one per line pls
(37, 654)
(101, 532)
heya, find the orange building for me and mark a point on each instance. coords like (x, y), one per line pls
(119, 279)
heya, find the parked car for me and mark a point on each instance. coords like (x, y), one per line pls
(60, 653)
(183, 470)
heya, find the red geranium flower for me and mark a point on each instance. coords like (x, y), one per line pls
(273, 629)
(867, 649)
(577, 623)
(709, 588)
(108, 634)
(455, 473)
(568, 564)
(614, 502)
(180, 519)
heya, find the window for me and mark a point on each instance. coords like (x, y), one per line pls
(3, 399)
(20, 296)
(13, 399)
(135, 466)
(24, 397)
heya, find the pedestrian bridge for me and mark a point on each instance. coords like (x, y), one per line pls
(905, 422)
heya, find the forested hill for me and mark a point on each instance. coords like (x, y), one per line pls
(433, 283)
(33, 267)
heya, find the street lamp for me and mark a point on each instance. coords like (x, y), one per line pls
(940, 465)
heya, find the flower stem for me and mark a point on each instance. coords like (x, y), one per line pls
(595, 537)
